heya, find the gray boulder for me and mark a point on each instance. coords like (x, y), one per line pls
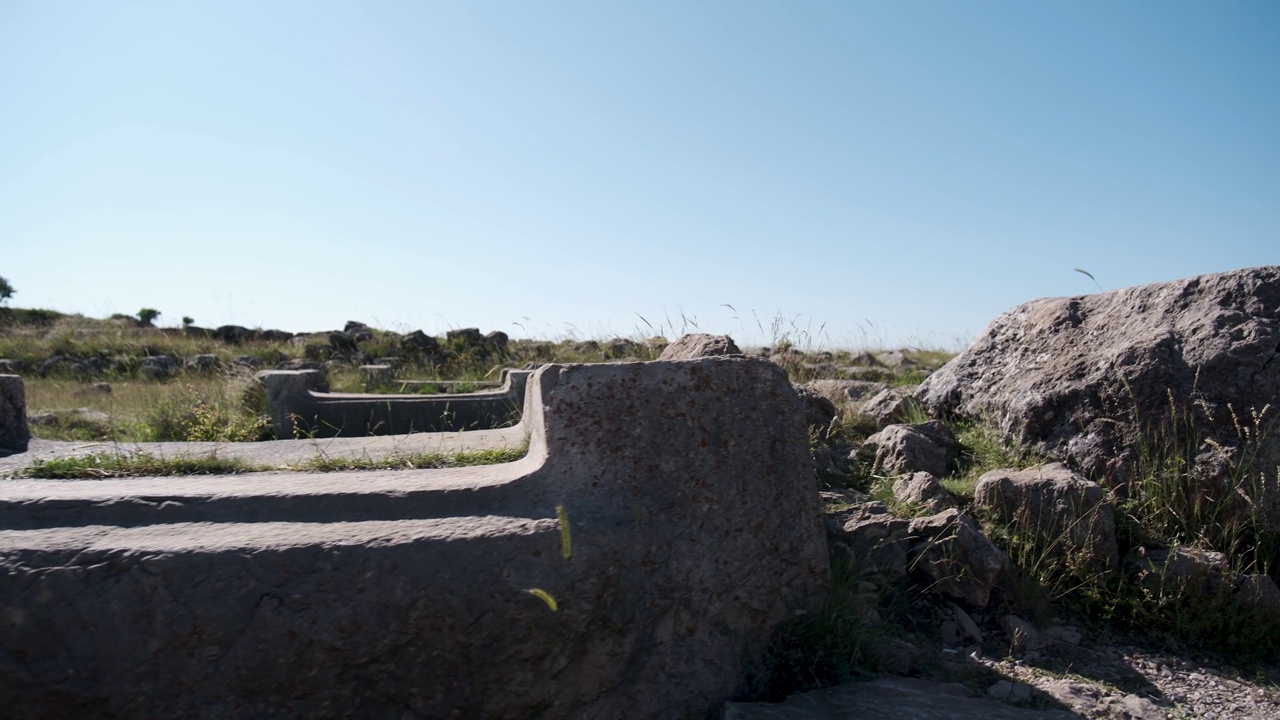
(465, 338)
(1083, 378)
(872, 540)
(951, 557)
(926, 447)
(159, 367)
(1062, 512)
(699, 345)
(923, 490)
(819, 413)
(888, 406)
(14, 432)
(845, 392)
(203, 363)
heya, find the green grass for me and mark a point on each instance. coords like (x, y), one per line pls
(137, 464)
(983, 449)
(112, 465)
(414, 461)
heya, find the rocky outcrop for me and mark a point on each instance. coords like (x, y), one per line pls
(923, 490)
(1084, 379)
(888, 406)
(159, 367)
(951, 557)
(699, 345)
(819, 413)
(925, 447)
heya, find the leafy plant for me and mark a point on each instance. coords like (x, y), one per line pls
(195, 416)
(147, 316)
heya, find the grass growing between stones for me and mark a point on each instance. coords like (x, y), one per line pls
(1198, 500)
(844, 640)
(415, 461)
(982, 449)
(111, 465)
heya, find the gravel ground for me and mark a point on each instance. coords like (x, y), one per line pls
(1119, 681)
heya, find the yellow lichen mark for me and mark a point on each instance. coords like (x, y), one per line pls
(545, 597)
(566, 543)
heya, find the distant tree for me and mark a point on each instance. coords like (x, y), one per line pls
(147, 316)
(188, 321)
(6, 290)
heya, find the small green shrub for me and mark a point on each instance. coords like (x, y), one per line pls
(194, 416)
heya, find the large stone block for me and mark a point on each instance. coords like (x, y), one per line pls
(14, 432)
(628, 567)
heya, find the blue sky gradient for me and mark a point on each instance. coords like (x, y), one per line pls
(871, 173)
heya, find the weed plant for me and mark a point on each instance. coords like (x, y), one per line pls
(844, 640)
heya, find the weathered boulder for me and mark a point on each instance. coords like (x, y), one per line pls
(888, 406)
(423, 343)
(619, 348)
(923, 490)
(233, 334)
(951, 557)
(924, 447)
(159, 367)
(699, 345)
(497, 340)
(1084, 378)
(602, 576)
(872, 540)
(14, 432)
(1061, 512)
(819, 412)
(846, 393)
(203, 363)
(465, 338)
(82, 419)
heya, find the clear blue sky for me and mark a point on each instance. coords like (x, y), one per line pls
(889, 172)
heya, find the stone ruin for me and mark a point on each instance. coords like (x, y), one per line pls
(301, 406)
(632, 565)
(14, 432)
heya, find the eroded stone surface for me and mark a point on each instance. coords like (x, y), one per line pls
(699, 345)
(1064, 513)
